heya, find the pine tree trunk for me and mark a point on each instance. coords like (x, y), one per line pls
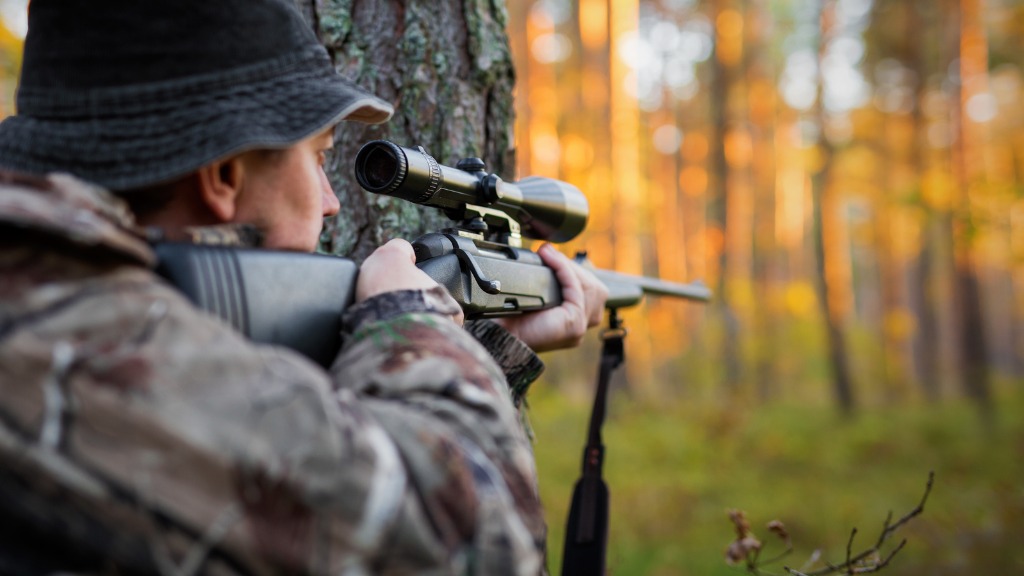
(724, 76)
(446, 66)
(968, 166)
(927, 340)
(827, 232)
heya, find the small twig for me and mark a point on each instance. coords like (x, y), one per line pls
(779, 556)
(849, 546)
(855, 564)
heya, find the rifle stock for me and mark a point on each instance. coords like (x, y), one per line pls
(296, 300)
(288, 299)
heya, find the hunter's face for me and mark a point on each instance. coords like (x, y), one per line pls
(288, 195)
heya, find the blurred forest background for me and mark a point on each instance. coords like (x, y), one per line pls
(848, 177)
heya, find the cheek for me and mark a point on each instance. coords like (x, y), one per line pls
(294, 222)
(306, 194)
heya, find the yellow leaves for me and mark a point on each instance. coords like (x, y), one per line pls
(693, 180)
(900, 137)
(714, 243)
(594, 99)
(800, 299)
(812, 158)
(741, 294)
(857, 168)
(762, 102)
(900, 324)
(10, 45)
(905, 233)
(695, 147)
(738, 148)
(541, 97)
(729, 25)
(578, 152)
(593, 23)
(866, 125)
(545, 150)
(10, 62)
(938, 190)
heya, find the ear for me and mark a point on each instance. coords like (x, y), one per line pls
(219, 185)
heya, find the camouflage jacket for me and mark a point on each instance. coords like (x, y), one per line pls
(139, 435)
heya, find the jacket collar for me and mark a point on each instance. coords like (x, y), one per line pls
(66, 208)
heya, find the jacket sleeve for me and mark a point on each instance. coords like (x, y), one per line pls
(445, 404)
(407, 457)
(517, 360)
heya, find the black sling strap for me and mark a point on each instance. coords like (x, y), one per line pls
(586, 533)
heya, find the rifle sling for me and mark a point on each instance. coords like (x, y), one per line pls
(587, 530)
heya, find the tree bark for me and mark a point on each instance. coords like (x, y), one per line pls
(927, 340)
(968, 166)
(765, 254)
(446, 66)
(725, 60)
(827, 233)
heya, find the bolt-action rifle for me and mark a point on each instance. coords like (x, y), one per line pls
(296, 300)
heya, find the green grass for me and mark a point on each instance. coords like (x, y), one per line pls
(675, 464)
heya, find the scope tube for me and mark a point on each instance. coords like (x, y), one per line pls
(383, 167)
(545, 208)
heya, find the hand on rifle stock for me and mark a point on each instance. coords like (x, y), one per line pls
(583, 299)
(392, 267)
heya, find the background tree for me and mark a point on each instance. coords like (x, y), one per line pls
(828, 229)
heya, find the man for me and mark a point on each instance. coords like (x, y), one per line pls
(138, 434)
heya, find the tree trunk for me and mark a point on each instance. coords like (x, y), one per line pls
(969, 169)
(726, 57)
(762, 113)
(447, 68)
(828, 235)
(927, 339)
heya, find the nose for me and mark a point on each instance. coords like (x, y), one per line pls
(331, 205)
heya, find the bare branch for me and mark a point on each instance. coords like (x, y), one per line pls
(778, 556)
(849, 546)
(868, 561)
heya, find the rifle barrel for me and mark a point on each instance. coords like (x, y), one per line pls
(628, 284)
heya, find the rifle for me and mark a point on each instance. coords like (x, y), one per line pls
(296, 300)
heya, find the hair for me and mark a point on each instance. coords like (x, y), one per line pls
(149, 200)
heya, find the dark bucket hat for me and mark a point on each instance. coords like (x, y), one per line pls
(130, 93)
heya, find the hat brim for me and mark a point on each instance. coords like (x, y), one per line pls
(156, 133)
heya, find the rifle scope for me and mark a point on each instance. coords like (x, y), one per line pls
(545, 208)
